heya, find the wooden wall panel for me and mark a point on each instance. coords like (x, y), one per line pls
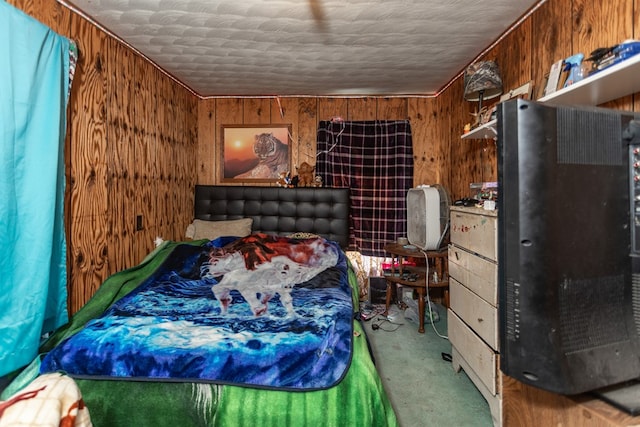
(426, 140)
(431, 140)
(444, 115)
(550, 41)
(392, 108)
(138, 141)
(558, 29)
(163, 169)
(513, 56)
(602, 24)
(362, 109)
(636, 20)
(145, 154)
(257, 111)
(205, 160)
(328, 108)
(229, 111)
(113, 163)
(50, 13)
(302, 113)
(189, 155)
(308, 116)
(285, 110)
(87, 238)
(119, 154)
(467, 156)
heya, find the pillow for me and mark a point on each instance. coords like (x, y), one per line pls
(200, 229)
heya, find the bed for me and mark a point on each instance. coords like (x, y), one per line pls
(186, 338)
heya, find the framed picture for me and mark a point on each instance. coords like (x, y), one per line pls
(254, 153)
(522, 92)
(553, 81)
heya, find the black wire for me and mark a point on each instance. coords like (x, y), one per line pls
(381, 320)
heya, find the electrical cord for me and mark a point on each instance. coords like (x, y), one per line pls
(382, 320)
(426, 279)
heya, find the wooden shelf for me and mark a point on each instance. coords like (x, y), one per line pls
(488, 130)
(420, 281)
(612, 83)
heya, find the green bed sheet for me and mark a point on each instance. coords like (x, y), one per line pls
(358, 400)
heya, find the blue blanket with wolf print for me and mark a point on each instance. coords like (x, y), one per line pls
(260, 311)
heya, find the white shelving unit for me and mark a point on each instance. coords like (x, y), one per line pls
(486, 131)
(612, 83)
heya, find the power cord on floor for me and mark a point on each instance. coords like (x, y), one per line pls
(380, 320)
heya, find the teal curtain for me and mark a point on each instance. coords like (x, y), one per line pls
(34, 84)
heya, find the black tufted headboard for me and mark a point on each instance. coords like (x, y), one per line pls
(322, 211)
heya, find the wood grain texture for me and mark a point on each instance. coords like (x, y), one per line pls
(392, 108)
(138, 142)
(328, 108)
(88, 235)
(257, 111)
(205, 159)
(466, 155)
(362, 108)
(427, 140)
(526, 406)
(513, 56)
(119, 155)
(550, 41)
(50, 13)
(115, 166)
(285, 111)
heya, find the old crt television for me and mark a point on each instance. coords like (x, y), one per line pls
(569, 245)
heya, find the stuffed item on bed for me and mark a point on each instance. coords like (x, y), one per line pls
(262, 310)
(210, 230)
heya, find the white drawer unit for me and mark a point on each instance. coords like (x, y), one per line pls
(484, 364)
(478, 274)
(473, 311)
(480, 315)
(475, 229)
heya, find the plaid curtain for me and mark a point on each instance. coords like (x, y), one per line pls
(375, 160)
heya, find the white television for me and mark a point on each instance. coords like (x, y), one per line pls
(427, 216)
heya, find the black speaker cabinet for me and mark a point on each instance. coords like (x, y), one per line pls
(377, 290)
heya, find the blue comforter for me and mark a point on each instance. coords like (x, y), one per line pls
(216, 313)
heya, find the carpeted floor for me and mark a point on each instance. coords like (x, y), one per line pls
(423, 388)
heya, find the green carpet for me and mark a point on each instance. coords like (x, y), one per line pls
(423, 388)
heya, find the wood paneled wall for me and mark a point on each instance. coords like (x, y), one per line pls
(138, 141)
(130, 151)
(556, 30)
(431, 153)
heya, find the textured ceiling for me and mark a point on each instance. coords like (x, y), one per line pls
(307, 47)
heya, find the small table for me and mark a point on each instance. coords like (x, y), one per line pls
(436, 262)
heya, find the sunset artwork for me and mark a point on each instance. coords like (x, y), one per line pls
(242, 159)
